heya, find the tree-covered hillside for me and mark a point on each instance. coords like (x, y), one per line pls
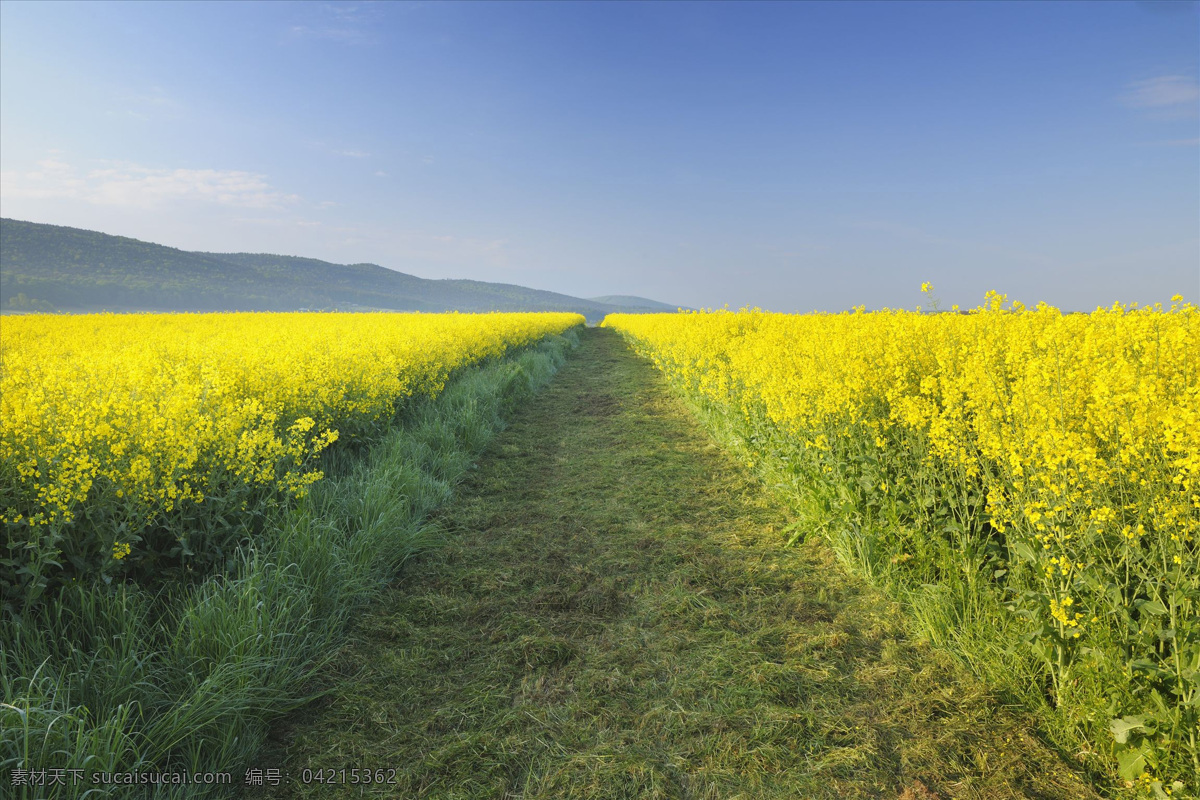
(55, 268)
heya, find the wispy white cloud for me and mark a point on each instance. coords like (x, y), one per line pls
(154, 96)
(54, 165)
(336, 149)
(347, 24)
(132, 185)
(348, 12)
(343, 34)
(1176, 95)
(276, 222)
(145, 104)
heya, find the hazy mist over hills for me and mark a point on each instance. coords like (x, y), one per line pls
(55, 268)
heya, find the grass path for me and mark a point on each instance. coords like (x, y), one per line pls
(612, 615)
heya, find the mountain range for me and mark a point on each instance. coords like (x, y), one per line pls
(56, 268)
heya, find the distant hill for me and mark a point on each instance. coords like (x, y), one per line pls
(55, 268)
(630, 301)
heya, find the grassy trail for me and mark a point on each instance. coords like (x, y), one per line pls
(612, 615)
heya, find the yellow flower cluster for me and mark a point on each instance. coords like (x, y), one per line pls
(1066, 448)
(1078, 423)
(1062, 613)
(155, 411)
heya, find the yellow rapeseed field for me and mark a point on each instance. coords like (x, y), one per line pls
(1063, 450)
(145, 416)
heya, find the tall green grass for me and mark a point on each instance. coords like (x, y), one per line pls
(189, 677)
(947, 590)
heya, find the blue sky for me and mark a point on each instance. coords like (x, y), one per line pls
(793, 156)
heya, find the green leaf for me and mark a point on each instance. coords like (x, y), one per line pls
(1159, 794)
(1121, 727)
(1039, 650)
(1023, 550)
(1151, 607)
(1131, 763)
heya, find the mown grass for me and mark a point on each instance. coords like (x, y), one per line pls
(188, 678)
(613, 615)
